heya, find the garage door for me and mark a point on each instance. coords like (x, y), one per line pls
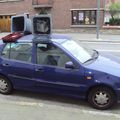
(5, 23)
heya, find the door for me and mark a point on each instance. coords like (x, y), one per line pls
(16, 64)
(5, 23)
(51, 74)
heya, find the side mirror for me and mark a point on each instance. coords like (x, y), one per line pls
(69, 65)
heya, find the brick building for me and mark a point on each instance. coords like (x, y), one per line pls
(66, 14)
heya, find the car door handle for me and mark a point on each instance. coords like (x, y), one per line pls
(6, 64)
(39, 70)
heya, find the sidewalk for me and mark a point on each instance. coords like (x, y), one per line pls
(85, 37)
(106, 35)
(92, 37)
(3, 34)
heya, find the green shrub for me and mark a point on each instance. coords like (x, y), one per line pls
(115, 21)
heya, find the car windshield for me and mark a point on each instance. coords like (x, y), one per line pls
(81, 53)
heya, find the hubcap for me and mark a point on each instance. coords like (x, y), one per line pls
(3, 85)
(101, 98)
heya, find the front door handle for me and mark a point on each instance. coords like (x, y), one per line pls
(39, 70)
(6, 64)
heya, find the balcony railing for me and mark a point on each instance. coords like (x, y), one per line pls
(42, 3)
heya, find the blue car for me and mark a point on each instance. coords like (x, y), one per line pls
(59, 65)
(43, 62)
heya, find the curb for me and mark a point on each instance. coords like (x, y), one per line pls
(110, 41)
(99, 40)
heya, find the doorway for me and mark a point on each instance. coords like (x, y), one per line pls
(5, 23)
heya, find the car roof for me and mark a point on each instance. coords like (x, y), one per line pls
(58, 38)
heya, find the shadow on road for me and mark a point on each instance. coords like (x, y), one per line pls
(51, 98)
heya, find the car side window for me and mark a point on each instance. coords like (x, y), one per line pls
(49, 54)
(18, 51)
(5, 52)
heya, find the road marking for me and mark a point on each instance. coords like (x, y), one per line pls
(84, 111)
(101, 113)
(29, 104)
(116, 43)
(108, 50)
(22, 103)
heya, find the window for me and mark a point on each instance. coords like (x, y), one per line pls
(79, 52)
(18, 51)
(10, 0)
(83, 17)
(48, 54)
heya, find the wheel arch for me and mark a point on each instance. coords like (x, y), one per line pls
(5, 76)
(100, 85)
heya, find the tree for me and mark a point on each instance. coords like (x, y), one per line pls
(115, 10)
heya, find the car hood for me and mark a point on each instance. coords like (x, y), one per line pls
(106, 63)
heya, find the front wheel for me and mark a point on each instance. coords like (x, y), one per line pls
(5, 85)
(102, 98)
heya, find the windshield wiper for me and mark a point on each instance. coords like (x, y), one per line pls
(94, 56)
(88, 60)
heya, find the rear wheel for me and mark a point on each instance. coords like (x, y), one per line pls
(102, 98)
(5, 85)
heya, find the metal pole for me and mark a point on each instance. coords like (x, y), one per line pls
(98, 17)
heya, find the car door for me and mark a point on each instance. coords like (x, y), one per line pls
(51, 74)
(16, 64)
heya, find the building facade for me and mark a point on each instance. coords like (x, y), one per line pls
(66, 14)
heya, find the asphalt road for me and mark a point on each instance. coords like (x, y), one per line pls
(105, 47)
(33, 106)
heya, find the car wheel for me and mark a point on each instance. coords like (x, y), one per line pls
(102, 98)
(5, 85)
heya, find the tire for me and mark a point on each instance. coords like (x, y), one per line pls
(102, 98)
(5, 86)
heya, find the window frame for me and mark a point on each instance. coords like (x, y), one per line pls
(3, 1)
(65, 53)
(84, 14)
(9, 50)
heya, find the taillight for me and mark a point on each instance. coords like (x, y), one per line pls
(12, 37)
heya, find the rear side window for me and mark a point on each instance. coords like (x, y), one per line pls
(18, 51)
